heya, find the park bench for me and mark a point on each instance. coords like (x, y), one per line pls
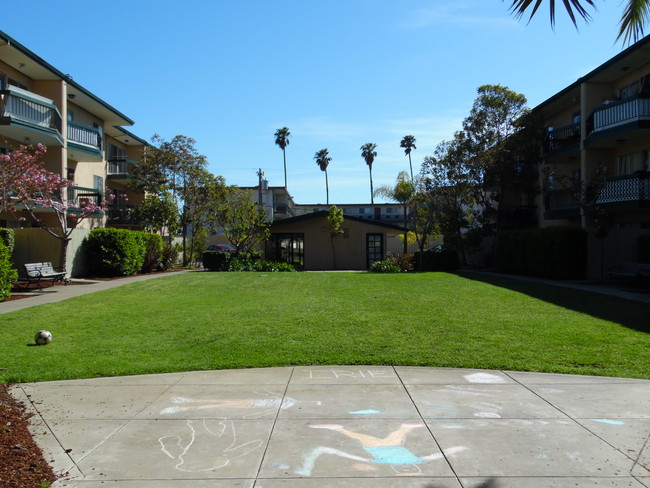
(639, 272)
(40, 272)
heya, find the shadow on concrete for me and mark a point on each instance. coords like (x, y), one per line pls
(628, 313)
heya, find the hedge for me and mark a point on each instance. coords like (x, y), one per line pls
(121, 252)
(437, 260)
(230, 261)
(7, 272)
(552, 252)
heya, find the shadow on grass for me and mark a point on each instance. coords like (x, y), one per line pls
(628, 313)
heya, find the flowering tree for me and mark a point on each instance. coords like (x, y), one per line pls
(25, 185)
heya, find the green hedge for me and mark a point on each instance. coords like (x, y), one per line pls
(7, 272)
(553, 252)
(230, 261)
(437, 260)
(384, 267)
(121, 252)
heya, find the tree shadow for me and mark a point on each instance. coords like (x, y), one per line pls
(628, 313)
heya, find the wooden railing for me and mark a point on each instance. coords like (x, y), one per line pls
(83, 134)
(618, 113)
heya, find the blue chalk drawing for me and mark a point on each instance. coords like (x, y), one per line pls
(365, 412)
(608, 421)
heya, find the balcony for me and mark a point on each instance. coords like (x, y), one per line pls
(84, 139)
(562, 140)
(626, 192)
(120, 170)
(616, 122)
(79, 196)
(561, 204)
(25, 116)
(122, 216)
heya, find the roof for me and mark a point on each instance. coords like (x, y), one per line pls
(325, 213)
(37, 68)
(633, 57)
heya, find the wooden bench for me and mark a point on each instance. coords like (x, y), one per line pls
(630, 271)
(39, 272)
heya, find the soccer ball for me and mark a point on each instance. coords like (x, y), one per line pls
(43, 337)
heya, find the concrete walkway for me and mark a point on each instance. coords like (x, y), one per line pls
(349, 426)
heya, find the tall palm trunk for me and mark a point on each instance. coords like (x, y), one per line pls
(284, 156)
(327, 188)
(372, 193)
(411, 166)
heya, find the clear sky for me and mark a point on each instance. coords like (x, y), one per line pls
(338, 73)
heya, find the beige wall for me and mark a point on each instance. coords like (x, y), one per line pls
(350, 251)
(37, 246)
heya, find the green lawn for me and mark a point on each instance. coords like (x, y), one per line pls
(206, 320)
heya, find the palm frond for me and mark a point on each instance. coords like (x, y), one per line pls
(574, 8)
(635, 16)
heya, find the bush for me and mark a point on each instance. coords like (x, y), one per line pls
(7, 272)
(153, 253)
(403, 261)
(8, 238)
(553, 252)
(169, 256)
(384, 267)
(117, 252)
(438, 260)
(230, 261)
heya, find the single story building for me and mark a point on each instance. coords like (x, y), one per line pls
(305, 242)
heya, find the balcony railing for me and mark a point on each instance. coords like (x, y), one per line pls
(19, 106)
(623, 189)
(122, 215)
(614, 114)
(565, 199)
(120, 166)
(77, 195)
(82, 134)
(562, 138)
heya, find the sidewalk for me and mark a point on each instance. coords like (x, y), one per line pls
(344, 426)
(59, 293)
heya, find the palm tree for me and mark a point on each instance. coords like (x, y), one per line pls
(635, 14)
(403, 193)
(369, 154)
(408, 143)
(282, 140)
(323, 160)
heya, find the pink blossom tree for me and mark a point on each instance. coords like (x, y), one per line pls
(26, 186)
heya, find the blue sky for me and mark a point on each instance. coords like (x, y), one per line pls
(338, 73)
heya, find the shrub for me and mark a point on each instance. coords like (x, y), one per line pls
(116, 252)
(230, 261)
(438, 260)
(273, 266)
(403, 261)
(552, 252)
(169, 256)
(153, 253)
(8, 238)
(7, 272)
(384, 267)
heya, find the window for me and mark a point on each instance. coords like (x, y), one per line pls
(98, 183)
(628, 91)
(632, 162)
(70, 116)
(6, 80)
(362, 211)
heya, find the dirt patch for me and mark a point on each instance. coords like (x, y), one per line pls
(22, 465)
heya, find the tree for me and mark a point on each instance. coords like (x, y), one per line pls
(242, 220)
(335, 222)
(158, 214)
(26, 185)
(369, 154)
(403, 192)
(282, 140)
(425, 222)
(173, 166)
(492, 122)
(408, 143)
(323, 160)
(631, 26)
(449, 182)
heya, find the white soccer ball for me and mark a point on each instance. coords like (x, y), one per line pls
(43, 337)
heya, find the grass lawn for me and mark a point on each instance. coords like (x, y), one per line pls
(203, 320)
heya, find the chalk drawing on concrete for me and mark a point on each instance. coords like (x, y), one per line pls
(484, 378)
(266, 404)
(209, 445)
(388, 450)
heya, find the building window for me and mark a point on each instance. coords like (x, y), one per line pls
(362, 211)
(70, 116)
(632, 162)
(628, 91)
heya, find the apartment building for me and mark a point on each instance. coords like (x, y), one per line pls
(85, 140)
(596, 171)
